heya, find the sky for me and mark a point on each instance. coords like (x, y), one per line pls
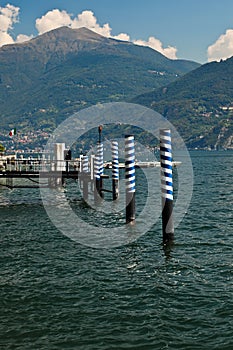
(198, 30)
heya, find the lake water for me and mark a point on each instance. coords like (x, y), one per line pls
(59, 294)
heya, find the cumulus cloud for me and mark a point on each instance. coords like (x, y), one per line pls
(52, 20)
(157, 45)
(8, 17)
(22, 38)
(5, 39)
(222, 48)
(88, 20)
(121, 36)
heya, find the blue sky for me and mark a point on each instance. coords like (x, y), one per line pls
(178, 28)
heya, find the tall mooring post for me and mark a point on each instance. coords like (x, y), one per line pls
(115, 170)
(100, 153)
(92, 172)
(67, 157)
(85, 174)
(59, 159)
(166, 185)
(99, 169)
(97, 187)
(130, 179)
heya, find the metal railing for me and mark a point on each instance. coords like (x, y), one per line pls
(35, 165)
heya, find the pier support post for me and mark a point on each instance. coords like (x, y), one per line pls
(67, 157)
(115, 170)
(166, 185)
(59, 149)
(130, 179)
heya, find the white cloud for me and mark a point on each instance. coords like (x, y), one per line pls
(88, 20)
(8, 16)
(5, 39)
(22, 38)
(157, 45)
(121, 36)
(222, 48)
(52, 20)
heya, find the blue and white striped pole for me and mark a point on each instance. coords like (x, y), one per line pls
(166, 185)
(100, 152)
(97, 177)
(92, 160)
(85, 167)
(85, 174)
(130, 179)
(115, 170)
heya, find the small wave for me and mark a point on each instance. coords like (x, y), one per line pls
(4, 201)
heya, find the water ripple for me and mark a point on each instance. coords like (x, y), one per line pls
(57, 294)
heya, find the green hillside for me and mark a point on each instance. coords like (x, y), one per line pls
(199, 104)
(55, 74)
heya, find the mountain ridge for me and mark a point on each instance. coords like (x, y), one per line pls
(47, 78)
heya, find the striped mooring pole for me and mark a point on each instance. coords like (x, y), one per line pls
(85, 167)
(97, 178)
(92, 172)
(166, 185)
(100, 152)
(98, 172)
(115, 170)
(130, 179)
(85, 170)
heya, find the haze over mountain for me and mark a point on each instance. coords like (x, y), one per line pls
(46, 79)
(199, 104)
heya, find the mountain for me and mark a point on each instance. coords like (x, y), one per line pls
(199, 104)
(46, 79)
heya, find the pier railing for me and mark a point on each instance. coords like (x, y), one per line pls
(38, 165)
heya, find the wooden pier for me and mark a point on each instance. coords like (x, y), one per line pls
(33, 170)
(54, 171)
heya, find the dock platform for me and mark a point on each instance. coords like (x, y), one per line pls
(55, 172)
